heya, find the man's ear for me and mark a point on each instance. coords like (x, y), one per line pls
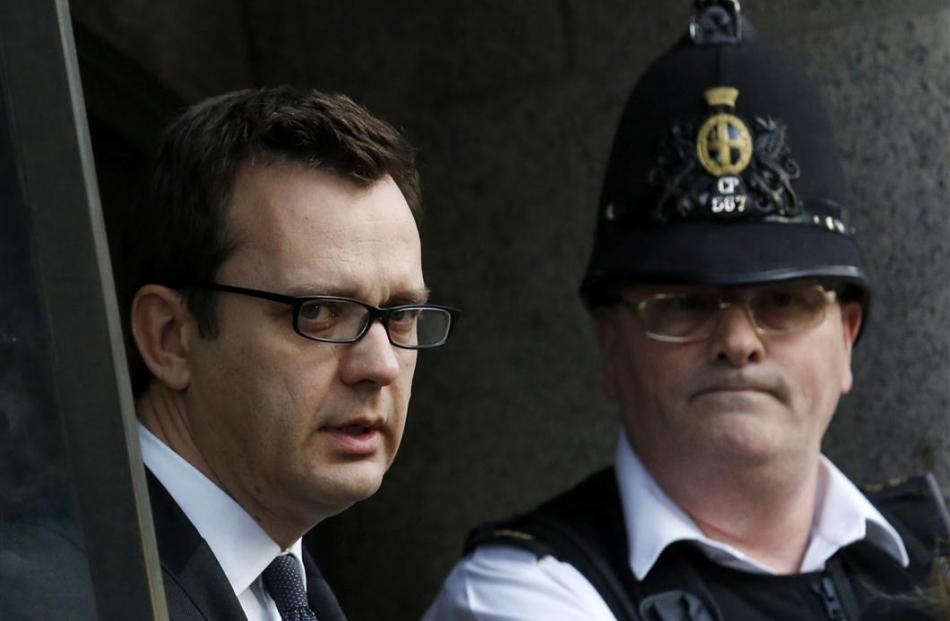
(161, 326)
(851, 318)
(606, 328)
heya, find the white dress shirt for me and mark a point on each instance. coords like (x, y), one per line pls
(240, 545)
(502, 583)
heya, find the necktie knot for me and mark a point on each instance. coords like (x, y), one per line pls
(285, 584)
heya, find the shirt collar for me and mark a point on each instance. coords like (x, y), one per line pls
(241, 546)
(653, 521)
(844, 515)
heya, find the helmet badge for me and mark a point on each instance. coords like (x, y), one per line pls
(724, 149)
(726, 168)
(723, 144)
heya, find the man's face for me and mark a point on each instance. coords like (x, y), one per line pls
(292, 427)
(736, 398)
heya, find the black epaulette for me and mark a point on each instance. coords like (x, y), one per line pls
(578, 527)
(916, 509)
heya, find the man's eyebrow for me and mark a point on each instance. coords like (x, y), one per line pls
(414, 296)
(309, 289)
(398, 298)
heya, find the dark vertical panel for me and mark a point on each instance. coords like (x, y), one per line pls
(43, 568)
(51, 174)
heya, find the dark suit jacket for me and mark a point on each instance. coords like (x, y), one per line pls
(195, 585)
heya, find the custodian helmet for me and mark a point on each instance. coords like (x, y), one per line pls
(724, 171)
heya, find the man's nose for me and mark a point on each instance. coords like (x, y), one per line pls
(735, 339)
(371, 359)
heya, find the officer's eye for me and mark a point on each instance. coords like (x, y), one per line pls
(687, 303)
(786, 299)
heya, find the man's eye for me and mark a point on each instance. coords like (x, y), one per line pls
(404, 316)
(319, 311)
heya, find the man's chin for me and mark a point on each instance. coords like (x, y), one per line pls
(345, 484)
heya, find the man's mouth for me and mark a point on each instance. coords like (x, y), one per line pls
(357, 429)
(717, 389)
(358, 438)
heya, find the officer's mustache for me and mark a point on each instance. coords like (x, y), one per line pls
(760, 380)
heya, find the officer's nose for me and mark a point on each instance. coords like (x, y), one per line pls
(735, 339)
(371, 359)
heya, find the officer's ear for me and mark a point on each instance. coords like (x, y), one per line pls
(851, 318)
(606, 328)
(161, 325)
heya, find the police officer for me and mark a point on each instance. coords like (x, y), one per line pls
(727, 290)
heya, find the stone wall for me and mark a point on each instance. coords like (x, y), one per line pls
(513, 107)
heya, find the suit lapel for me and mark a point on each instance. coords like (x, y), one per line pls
(319, 596)
(195, 585)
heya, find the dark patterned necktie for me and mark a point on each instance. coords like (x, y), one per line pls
(284, 583)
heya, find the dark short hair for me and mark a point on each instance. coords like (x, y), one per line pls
(180, 228)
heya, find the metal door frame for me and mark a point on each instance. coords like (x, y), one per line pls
(49, 139)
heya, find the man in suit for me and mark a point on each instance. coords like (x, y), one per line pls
(278, 308)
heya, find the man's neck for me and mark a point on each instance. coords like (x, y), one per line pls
(766, 514)
(164, 413)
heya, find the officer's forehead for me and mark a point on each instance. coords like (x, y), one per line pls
(647, 288)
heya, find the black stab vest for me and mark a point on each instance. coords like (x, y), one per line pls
(585, 527)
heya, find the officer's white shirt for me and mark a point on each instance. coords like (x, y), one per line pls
(240, 545)
(500, 583)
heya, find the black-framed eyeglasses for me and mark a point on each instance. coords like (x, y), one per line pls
(336, 319)
(690, 315)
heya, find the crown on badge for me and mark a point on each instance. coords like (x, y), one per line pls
(722, 96)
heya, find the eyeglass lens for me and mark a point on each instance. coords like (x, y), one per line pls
(343, 320)
(775, 310)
